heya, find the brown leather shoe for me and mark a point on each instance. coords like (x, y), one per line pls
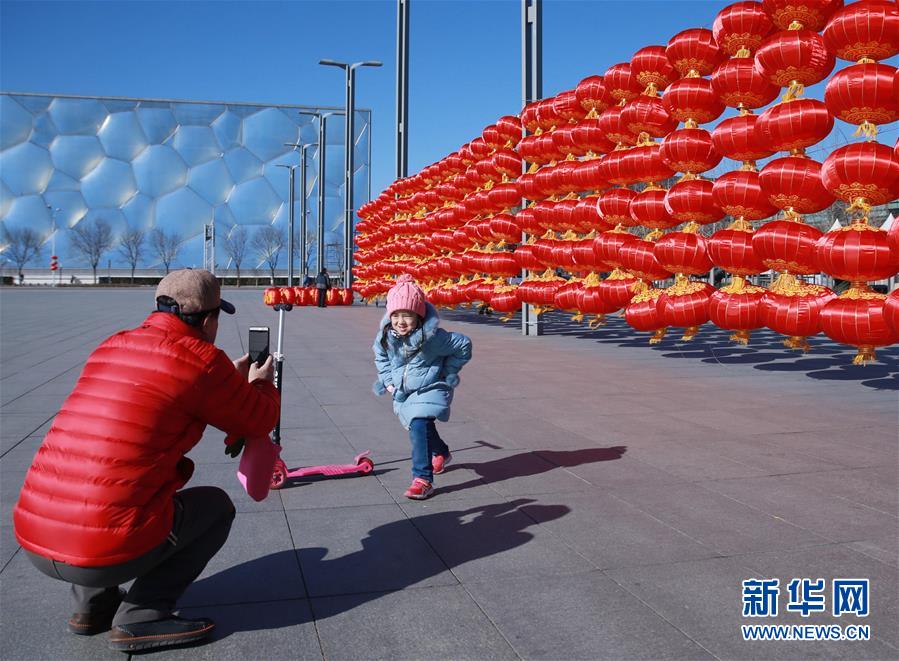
(159, 633)
(90, 624)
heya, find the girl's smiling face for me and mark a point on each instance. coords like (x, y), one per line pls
(403, 322)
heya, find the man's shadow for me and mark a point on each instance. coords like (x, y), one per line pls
(393, 556)
(530, 463)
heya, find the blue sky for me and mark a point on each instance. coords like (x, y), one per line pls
(465, 56)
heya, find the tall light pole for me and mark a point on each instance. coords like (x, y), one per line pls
(322, 148)
(349, 143)
(290, 196)
(303, 210)
(402, 89)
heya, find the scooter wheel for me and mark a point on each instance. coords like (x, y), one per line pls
(366, 465)
(279, 475)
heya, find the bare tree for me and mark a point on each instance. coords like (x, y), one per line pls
(21, 246)
(268, 241)
(165, 246)
(90, 239)
(310, 244)
(131, 247)
(236, 247)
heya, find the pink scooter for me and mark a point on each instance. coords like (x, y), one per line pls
(362, 465)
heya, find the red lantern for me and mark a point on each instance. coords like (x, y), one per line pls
(608, 245)
(612, 126)
(794, 309)
(567, 296)
(694, 52)
(652, 69)
(272, 296)
(891, 310)
(567, 107)
(868, 29)
(858, 253)
(810, 14)
(685, 305)
(591, 93)
(738, 138)
(683, 252)
(638, 257)
(794, 59)
(505, 299)
(614, 206)
(590, 302)
(642, 314)
(787, 245)
(864, 94)
(736, 307)
(648, 209)
(794, 125)
(590, 137)
(794, 183)
(690, 150)
(691, 200)
(647, 114)
(864, 174)
(645, 164)
(589, 216)
(692, 100)
(739, 194)
(741, 26)
(731, 249)
(524, 255)
(617, 289)
(857, 318)
(621, 83)
(504, 228)
(740, 85)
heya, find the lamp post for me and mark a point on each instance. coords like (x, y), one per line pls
(322, 148)
(290, 196)
(349, 140)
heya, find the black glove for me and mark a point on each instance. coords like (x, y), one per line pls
(234, 449)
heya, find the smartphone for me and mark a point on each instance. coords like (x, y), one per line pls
(258, 344)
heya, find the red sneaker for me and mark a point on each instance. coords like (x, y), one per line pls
(419, 489)
(439, 462)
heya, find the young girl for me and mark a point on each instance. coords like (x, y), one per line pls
(418, 363)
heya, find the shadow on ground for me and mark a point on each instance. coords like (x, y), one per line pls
(477, 532)
(826, 360)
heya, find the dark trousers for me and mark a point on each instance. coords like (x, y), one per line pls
(203, 517)
(426, 443)
(322, 298)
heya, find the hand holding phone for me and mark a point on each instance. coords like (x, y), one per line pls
(258, 344)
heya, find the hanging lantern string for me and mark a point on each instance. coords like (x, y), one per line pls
(794, 91)
(867, 129)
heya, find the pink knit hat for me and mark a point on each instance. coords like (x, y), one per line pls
(406, 295)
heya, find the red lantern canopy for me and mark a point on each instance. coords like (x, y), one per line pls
(739, 194)
(794, 125)
(794, 184)
(693, 101)
(741, 26)
(810, 14)
(691, 200)
(864, 94)
(652, 69)
(694, 52)
(794, 59)
(690, 150)
(740, 85)
(868, 29)
(737, 307)
(737, 138)
(864, 174)
(591, 93)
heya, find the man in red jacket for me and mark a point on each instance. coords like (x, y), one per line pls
(103, 503)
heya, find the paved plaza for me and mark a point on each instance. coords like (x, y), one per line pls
(606, 500)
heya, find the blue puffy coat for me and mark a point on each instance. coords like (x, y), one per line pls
(423, 367)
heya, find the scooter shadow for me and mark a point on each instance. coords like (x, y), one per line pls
(293, 482)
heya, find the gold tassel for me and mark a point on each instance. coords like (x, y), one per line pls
(748, 166)
(743, 52)
(867, 129)
(865, 355)
(690, 333)
(797, 342)
(579, 317)
(794, 91)
(795, 25)
(741, 337)
(658, 336)
(690, 124)
(596, 323)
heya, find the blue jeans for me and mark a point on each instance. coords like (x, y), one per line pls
(426, 442)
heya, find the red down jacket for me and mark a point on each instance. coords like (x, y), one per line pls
(99, 491)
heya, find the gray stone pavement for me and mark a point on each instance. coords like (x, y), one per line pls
(606, 500)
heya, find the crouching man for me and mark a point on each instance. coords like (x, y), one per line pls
(103, 503)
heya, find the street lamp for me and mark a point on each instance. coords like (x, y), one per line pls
(350, 108)
(290, 195)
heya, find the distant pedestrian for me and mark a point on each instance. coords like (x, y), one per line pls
(418, 363)
(323, 284)
(308, 281)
